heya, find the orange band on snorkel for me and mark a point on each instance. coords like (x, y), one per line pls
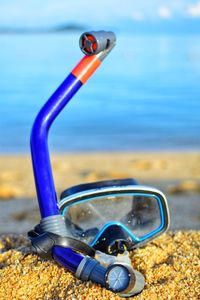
(86, 67)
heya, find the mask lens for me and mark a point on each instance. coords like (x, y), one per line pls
(139, 214)
(144, 216)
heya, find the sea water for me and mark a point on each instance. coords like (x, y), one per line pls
(145, 96)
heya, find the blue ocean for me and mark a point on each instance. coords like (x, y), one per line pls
(145, 96)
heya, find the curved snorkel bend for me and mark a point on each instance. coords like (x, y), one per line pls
(49, 241)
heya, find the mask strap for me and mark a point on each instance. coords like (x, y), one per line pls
(43, 243)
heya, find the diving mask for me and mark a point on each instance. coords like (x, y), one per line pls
(115, 215)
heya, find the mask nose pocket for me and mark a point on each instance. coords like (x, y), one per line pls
(113, 239)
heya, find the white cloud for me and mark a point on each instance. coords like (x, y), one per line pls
(164, 12)
(137, 16)
(194, 10)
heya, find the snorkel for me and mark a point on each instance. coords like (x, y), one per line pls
(96, 46)
(51, 239)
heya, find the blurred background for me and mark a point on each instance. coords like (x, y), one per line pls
(137, 117)
(145, 97)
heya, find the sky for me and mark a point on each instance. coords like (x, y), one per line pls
(100, 12)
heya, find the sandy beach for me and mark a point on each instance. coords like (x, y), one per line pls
(16, 178)
(170, 264)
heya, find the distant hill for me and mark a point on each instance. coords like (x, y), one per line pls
(71, 27)
(171, 26)
(36, 30)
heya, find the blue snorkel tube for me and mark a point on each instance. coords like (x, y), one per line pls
(50, 238)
